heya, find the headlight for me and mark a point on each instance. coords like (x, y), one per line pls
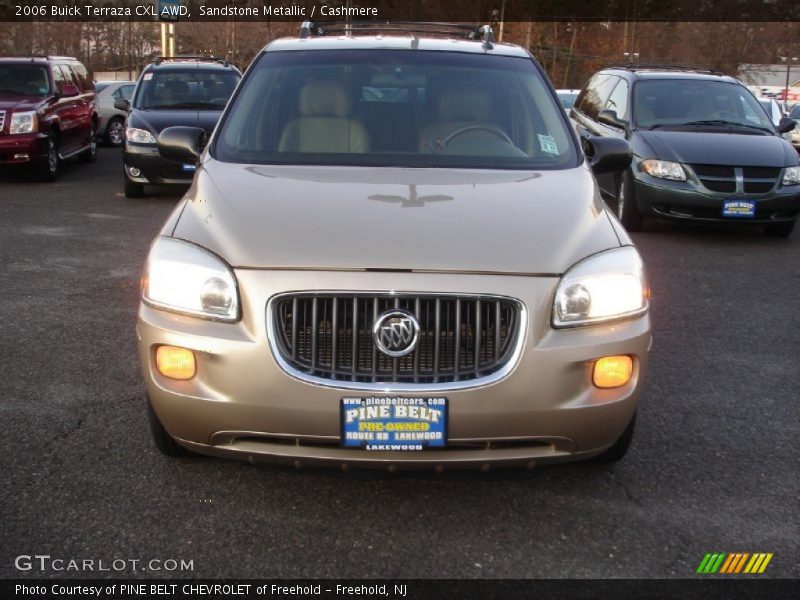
(139, 136)
(606, 286)
(664, 169)
(24, 122)
(185, 278)
(791, 176)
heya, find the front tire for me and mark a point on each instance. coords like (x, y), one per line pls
(780, 230)
(115, 132)
(627, 209)
(51, 168)
(165, 443)
(133, 189)
(620, 448)
(90, 155)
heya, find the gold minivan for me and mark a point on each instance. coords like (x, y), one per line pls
(394, 254)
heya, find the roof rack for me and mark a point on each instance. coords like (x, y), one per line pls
(157, 60)
(663, 67)
(469, 32)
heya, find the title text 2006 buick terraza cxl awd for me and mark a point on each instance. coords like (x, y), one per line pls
(393, 254)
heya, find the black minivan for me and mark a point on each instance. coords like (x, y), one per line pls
(704, 148)
(187, 90)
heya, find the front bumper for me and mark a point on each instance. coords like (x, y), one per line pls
(241, 404)
(690, 201)
(22, 149)
(153, 167)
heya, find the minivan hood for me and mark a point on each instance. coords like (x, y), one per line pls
(532, 222)
(20, 102)
(156, 120)
(700, 147)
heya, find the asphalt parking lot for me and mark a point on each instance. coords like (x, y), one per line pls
(713, 467)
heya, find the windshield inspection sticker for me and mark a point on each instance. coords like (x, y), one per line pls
(547, 144)
(148, 76)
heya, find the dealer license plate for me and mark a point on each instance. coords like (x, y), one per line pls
(189, 168)
(394, 422)
(739, 209)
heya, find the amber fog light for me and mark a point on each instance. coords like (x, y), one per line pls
(612, 371)
(175, 363)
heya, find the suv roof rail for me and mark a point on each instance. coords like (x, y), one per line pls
(157, 60)
(470, 32)
(663, 67)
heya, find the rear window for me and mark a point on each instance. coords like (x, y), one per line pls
(23, 80)
(191, 88)
(396, 108)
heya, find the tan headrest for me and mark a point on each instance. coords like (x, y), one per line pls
(324, 99)
(464, 104)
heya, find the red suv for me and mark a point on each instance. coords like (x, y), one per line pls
(47, 113)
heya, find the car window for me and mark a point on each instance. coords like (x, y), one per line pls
(567, 99)
(84, 81)
(618, 100)
(395, 108)
(126, 91)
(59, 78)
(676, 102)
(23, 80)
(123, 92)
(99, 87)
(795, 114)
(189, 88)
(69, 76)
(596, 95)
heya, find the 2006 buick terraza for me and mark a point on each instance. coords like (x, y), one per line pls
(393, 254)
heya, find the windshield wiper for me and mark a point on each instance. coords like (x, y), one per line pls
(724, 122)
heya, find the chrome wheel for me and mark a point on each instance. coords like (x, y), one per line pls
(52, 157)
(115, 133)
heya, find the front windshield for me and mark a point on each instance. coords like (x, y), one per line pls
(23, 80)
(677, 102)
(188, 88)
(395, 108)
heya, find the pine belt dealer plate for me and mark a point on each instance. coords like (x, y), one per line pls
(394, 423)
(739, 209)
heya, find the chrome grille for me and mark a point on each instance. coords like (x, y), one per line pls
(755, 180)
(329, 336)
(2, 120)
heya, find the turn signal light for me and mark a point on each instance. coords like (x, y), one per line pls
(612, 371)
(175, 363)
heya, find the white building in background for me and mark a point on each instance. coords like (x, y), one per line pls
(770, 80)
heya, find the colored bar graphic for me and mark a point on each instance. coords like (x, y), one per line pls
(734, 563)
(740, 564)
(703, 563)
(765, 563)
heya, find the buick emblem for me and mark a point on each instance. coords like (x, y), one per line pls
(396, 333)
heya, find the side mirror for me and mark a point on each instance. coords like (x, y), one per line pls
(607, 154)
(69, 91)
(609, 117)
(122, 104)
(786, 125)
(182, 144)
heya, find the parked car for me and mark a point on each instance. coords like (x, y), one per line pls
(704, 149)
(421, 277)
(47, 113)
(112, 119)
(189, 91)
(773, 110)
(567, 98)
